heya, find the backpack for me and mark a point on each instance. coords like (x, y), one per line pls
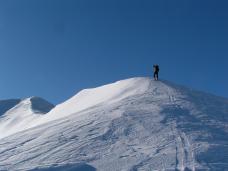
(157, 68)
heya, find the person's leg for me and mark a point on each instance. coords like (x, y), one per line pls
(156, 76)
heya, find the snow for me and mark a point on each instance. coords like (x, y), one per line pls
(21, 116)
(133, 124)
(103, 95)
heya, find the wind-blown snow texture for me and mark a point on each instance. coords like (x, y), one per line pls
(134, 124)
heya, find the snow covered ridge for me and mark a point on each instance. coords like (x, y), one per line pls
(134, 124)
(19, 114)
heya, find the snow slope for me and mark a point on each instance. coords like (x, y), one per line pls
(100, 96)
(20, 114)
(134, 124)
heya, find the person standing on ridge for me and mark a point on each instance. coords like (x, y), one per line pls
(156, 71)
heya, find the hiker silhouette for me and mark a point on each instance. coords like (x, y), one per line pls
(156, 71)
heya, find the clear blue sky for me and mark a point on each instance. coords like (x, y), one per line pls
(54, 48)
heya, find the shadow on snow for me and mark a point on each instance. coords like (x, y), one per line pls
(67, 167)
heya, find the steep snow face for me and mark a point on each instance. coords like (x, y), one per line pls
(21, 116)
(39, 105)
(134, 124)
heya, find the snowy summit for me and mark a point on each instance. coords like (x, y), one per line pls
(133, 124)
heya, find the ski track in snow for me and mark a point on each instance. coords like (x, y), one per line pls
(155, 126)
(184, 149)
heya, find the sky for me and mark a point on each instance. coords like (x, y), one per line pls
(55, 48)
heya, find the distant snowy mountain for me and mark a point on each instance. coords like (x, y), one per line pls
(5, 105)
(19, 114)
(134, 124)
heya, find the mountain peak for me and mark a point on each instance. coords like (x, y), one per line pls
(132, 124)
(19, 115)
(40, 105)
